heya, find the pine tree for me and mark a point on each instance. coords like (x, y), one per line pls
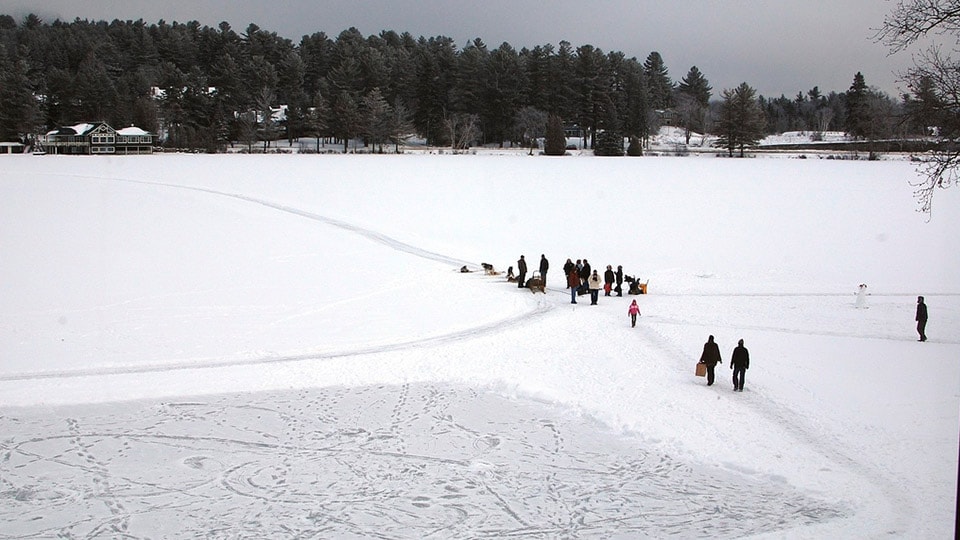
(316, 51)
(924, 107)
(561, 83)
(466, 94)
(695, 85)
(502, 88)
(609, 143)
(658, 82)
(345, 119)
(376, 119)
(555, 140)
(857, 112)
(693, 102)
(19, 112)
(741, 123)
(591, 74)
(435, 60)
(318, 115)
(537, 66)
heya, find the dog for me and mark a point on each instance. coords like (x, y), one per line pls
(489, 270)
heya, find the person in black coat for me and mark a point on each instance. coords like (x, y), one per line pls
(544, 266)
(521, 273)
(739, 363)
(921, 319)
(619, 276)
(608, 278)
(710, 357)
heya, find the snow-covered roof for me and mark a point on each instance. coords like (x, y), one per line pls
(83, 129)
(132, 130)
(80, 129)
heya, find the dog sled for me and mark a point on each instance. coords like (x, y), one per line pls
(635, 286)
(535, 283)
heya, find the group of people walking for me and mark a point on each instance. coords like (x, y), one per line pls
(739, 362)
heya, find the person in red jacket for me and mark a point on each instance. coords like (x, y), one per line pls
(633, 311)
(573, 281)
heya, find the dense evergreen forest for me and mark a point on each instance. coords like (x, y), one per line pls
(206, 88)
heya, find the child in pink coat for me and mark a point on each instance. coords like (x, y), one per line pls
(633, 311)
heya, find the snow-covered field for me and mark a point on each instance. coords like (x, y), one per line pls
(283, 346)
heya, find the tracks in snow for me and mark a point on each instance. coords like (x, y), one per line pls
(374, 236)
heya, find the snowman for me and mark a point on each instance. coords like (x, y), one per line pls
(862, 297)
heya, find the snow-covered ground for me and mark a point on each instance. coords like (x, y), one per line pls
(283, 346)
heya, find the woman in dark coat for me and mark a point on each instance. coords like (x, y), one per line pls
(710, 357)
(608, 278)
(573, 282)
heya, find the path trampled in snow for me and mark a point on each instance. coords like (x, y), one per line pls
(419, 460)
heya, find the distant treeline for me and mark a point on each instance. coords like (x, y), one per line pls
(206, 87)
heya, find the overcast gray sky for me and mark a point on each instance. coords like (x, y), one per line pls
(778, 47)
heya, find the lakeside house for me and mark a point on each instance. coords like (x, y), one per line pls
(97, 138)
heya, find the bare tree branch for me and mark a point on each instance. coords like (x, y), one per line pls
(937, 170)
(912, 20)
(937, 73)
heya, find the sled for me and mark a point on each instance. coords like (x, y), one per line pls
(638, 288)
(535, 283)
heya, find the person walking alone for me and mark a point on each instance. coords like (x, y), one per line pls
(739, 363)
(921, 319)
(710, 357)
(633, 311)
